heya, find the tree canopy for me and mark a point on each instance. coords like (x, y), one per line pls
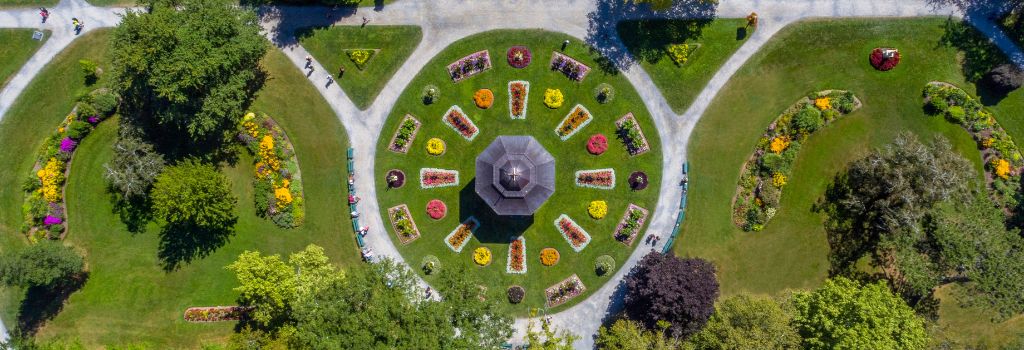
(134, 167)
(626, 334)
(745, 322)
(46, 263)
(662, 287)
(194, 194)
(272, 287)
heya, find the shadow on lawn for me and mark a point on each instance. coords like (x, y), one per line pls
(602, 31)
(43, 303)
(980, 54)
(181, 243)
(494, 228)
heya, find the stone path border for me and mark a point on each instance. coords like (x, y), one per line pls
(445, 21)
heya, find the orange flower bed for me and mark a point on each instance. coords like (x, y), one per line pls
(483, 98)
(548, 256)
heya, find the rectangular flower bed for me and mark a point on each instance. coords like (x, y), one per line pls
(564, 291)
(572, 232)
(631, 136)
(629, 227)
(278, 190)
(434, 177)
(518, 96)
(516, 256)
(598, 178)
(461, 234)
(577, 118)
(215, 313)
(401, 221)
(569, 66)
(404, 134)
(457, 120)
(473, 64)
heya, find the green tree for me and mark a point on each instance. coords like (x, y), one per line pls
(46, 263)
(189, 66)
(549, 338)
(745, 322)
(843, 314)
(194, 194)
(134, 167)
(626, 334)
(272, 287)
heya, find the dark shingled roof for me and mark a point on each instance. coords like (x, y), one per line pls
(515, 175)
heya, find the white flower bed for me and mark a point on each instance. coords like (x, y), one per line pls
(423, 171)
(590, 185)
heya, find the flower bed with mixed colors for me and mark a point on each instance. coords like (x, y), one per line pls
(434, 178)
(457, 239)
(569, 66)
(457, 120)
(403, 224)
(278, 181)
(563, 291)
(879, 60)
(629, 227)
(572, 232)
(631, 135)
(573, 122)
(766, 171)
(215, 313)
(469, 66)
(599, 178)
(404, 135)
(516, 263)
(518, 96)
(519, 56)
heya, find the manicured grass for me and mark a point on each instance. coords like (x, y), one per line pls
(129, 297)
(571, 155)
(680, 84)
(328, 45)
(27, 3)
(792, 251)
(17, 48)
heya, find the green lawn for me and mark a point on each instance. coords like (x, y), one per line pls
(792, 251)
(16, 49)
(328, 45)
(27, 3)
(128, 296)
(680, 84)
(570, 156)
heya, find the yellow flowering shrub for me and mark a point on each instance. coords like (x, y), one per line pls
(680, 53)
(1002, 168)
(987, 143)
(482, 256)
(251, 128)
(598, 209)
(51, 176)
(435, 146)
(553, 98)
(778, 180)
(267, 153)
(823, 103)
(283, 196)
(779, 144)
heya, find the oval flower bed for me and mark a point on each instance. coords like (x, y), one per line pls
(629, 227)
(516, 263)
(573, 122)
(457, 239)
(482, 256)
(518, 96)
(401, 221)
(395, 178)
(572, 232)
(436, 209)
(768, 169)
(278, 180)
(599, 178)
(519, 57)
(404, 135)
(215, 313)
(434, 178)
(456, 119)
(563, 291)
(435, 146)
(597, 144)
(483, 98)
(884, 59)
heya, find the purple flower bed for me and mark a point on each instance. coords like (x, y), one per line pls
(470, 65)
(52, 220)
(67, 145)
(572, 68)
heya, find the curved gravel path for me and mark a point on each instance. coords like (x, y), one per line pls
(445, 21)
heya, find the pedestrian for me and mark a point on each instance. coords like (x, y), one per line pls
(565, 44)
(330, 80)
(365, 21)
(44, 13)
(341, 71)
(355, 214)
(351, 180)
(309, 61)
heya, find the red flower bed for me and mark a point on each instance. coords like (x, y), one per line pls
(436, 209)
(882, 63)
(460, 123)
(519, 56)
(517, 256)
(518, 91)
(597, 144)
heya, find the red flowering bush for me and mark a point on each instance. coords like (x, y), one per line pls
(436, 209)
(519, 56)
(597, 144)
(882, 63)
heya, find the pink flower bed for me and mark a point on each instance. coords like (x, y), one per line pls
(597, 144)
(519, 56)
(572, 232)
(436, 209)
(433, 178)
(599, 178)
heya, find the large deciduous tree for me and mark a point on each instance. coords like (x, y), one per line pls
(193, 194)
(745, 322)
(626, 334)
(134, 167)
(842, 314)
(44, 264)
(189, 67)
(680, 291)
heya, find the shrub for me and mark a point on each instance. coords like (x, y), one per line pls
(78, 129)
(430, 94)
(808, 120)
(604, 264)
(604, 93)
(772, 162)
(844, 103)
(830, 114)
(680, 53)
(89, 68)
(957, 114)
(553, 98)
(359, 57)
(516, 294)
(770, 195)
(105, 103)
(85, 111)
(45, 263)
(134, 167)
(430, 265)
(657, 284)
(194, 194)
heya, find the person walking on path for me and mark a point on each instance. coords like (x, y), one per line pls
(309, 61)
(44, 13)
(78, 25)
(365, 21)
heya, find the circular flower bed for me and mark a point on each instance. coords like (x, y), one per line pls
(549, 256)
(519, 56)
(553, 98)
(483, 98)
(482, 256)
(436, 209)
(430, 265)
(395, 178)
(638, 180)
(597, 144)
(883, 62)
(604, 93)
(435, 146)
(598, 209)
(604, 264)
(516, 294)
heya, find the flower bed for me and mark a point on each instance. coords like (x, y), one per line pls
(435, 146)
(395, 178)
(278, 191)
(631, 135)
(572, 68)
(518, 96)
(215, 313)
(457, 120)
(360, 57)
(516, 294)
(482, 256)
(879, 60)
(638, 180)
(549, 256)
(404, 135)
(564, 291)
(457, 239)
(403, 224)
(578, 118)
(629, 227)
(519, 56)
(597, 209)
(483, 98)
(767, 171)
(43, 208)
(516, 256)
(473, 64)
(597, 144)
(434, 178)
(599, 178)
(1002, 157)
(436, 209)
(553, 98)
(572, 232)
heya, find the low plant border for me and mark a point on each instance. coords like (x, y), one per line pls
(465, 242)
(551, 290)
(233, 313)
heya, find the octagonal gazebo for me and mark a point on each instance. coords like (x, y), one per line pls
(515, 175)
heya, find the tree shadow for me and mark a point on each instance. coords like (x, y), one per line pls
(980, 54)
(494, 228)
(295, 21)
(182, 243)
(43, 303)
(603, 36)
(847, 240)
(646, 39)
(134, 212)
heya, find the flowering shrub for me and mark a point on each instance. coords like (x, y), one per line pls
(823, 103)
(778, 180)
(483, 98)
(564, 291)
(518, 96)
(631, 135)
(456, 119)
(568, 66)
(436, 209)
(549, 256)
(67, 145)
(553, 98)
(573, 122)
(597, 144)
(434, 178)
(482, 256)
(52, 220)
(597, 209)
(629, 227)
(278, 180)
(572, 232)
(519, 56)
(599, 178)
(779, 144)
(473, 64)
(680, 53)
(52, 178)
(401, 221)
(1002, 168)
(516, 256)
(879, 60)
(458, 238)
(404, 135)
(435, 146)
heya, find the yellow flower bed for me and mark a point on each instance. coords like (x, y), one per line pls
(283, 196)
(823, 103)
(51, 175)
(482, 256)
(435, 146)
(598, 209)
(553, 98)
(1002, 168)
(779, 144)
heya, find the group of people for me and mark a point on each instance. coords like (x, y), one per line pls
(77, 23)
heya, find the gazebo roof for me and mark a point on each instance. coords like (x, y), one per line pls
(515, 175)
